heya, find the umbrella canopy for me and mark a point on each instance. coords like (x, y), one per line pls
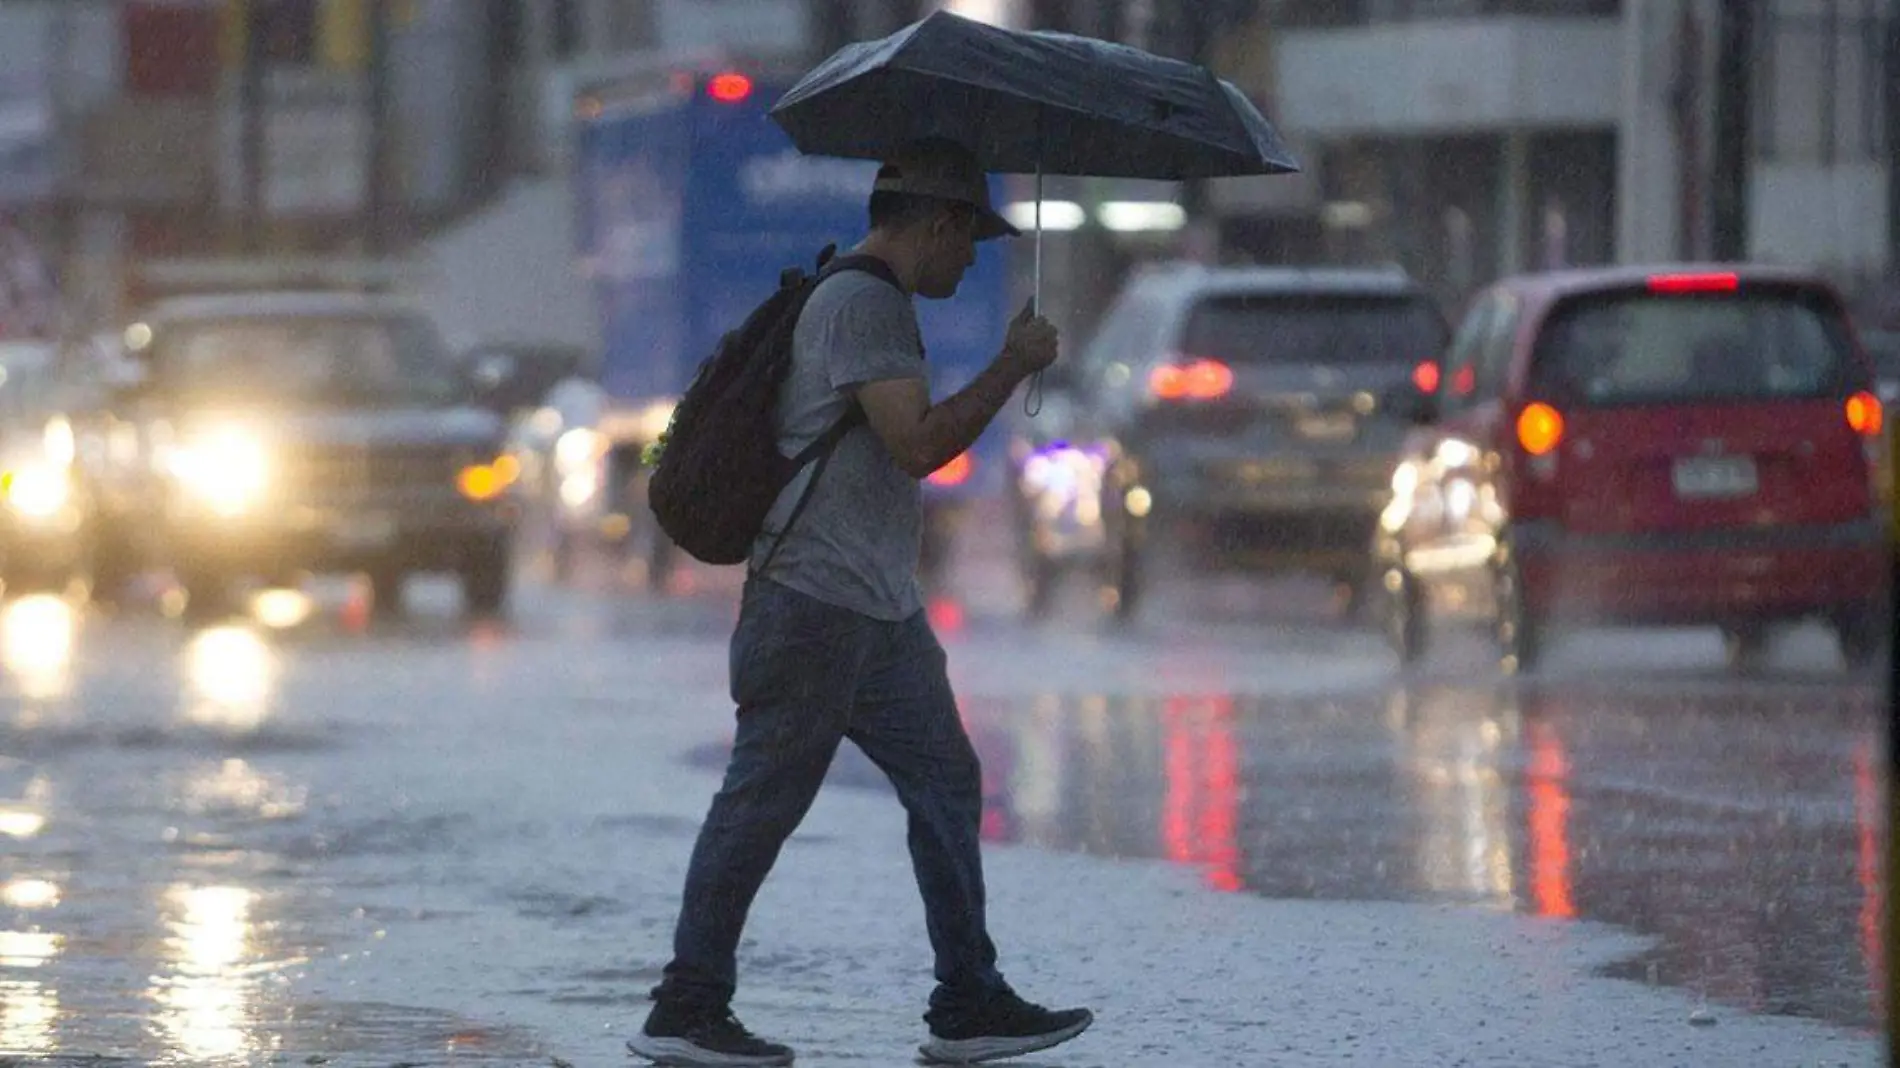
(1030, 102)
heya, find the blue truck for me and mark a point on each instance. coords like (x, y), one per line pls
(690, 200)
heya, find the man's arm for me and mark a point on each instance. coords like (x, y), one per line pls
(922, 436)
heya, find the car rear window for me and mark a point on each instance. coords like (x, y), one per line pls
(1650, 348)
(1883, 348)
(1324, 330)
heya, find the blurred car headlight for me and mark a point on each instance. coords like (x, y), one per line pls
(654, 420)
(485, 482)
(61, 445)
(578, 490)
(227, 469)
(578, 449)
(38, 490)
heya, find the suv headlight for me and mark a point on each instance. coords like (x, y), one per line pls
(37, 490)
(228, 469)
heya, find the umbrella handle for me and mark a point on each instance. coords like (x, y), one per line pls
(1032, 401)
(1038, 277)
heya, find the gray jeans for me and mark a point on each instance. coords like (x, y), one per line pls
(806, 675)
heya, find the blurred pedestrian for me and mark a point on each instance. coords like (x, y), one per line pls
(833, 642)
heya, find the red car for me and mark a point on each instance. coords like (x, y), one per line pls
(1684, 445)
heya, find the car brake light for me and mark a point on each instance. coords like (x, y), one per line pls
(1707, 282)
(1865, 414)
(954, 473)
(1539, 428)
(1425, 376)
(729, 88)
(1200, 380)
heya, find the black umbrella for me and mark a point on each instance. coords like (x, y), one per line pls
(1030, 102)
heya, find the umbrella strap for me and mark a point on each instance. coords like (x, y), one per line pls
(1032, 400)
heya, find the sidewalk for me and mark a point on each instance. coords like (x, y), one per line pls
(596, 818)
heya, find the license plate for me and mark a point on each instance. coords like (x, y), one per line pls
(1713, 477)
(1331, 426)
(365, 531)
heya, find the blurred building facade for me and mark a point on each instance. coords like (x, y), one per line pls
(1461, 138)
(155, 144)
(1466, 139)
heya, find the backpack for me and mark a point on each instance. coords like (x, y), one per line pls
(718, 469)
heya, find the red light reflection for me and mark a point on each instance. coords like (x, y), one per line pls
(1873, 899)
(729, 88)
(946, 615)
(1549, 787)
(1199, 814)
(996, 754)
(954, 473)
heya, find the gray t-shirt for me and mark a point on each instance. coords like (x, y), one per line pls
(857, 542)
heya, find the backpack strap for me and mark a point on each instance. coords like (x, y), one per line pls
(858, 261)
(822, 450)
(827, 442)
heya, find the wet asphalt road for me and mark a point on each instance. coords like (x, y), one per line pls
(190, 816)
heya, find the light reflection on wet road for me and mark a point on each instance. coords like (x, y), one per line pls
(172, 855)
(1742, 829)
(139, 762)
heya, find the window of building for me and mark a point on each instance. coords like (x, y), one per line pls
(288, 29)
(564, 29)
(1818, 86)
(1362, 12)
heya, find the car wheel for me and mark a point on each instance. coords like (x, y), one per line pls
(1041, 580)
(1125, 575)
(386, 588)
(487, 574)
(1520, 634)
(1406, 626)
(207, 592)
(1745, 645)
(933, 556)
(561, 555)
(1358, 603)
(662, 558)
(109, 568)
(1858, 633)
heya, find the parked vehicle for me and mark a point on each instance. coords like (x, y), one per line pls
(1693, 445)
(1233, 417)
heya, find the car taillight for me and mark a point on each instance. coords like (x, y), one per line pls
(729, 88)
(1425, 376)
(954, 473)
(1696, 282)
(1195, 379)
(1540, 429)
(1464, 381)
(1865, 414)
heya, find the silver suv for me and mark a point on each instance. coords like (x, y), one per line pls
(1253, 416)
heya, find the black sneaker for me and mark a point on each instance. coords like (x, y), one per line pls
(1003, 1026)
(688, 1037)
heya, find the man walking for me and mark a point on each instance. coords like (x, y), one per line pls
(832, 641)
